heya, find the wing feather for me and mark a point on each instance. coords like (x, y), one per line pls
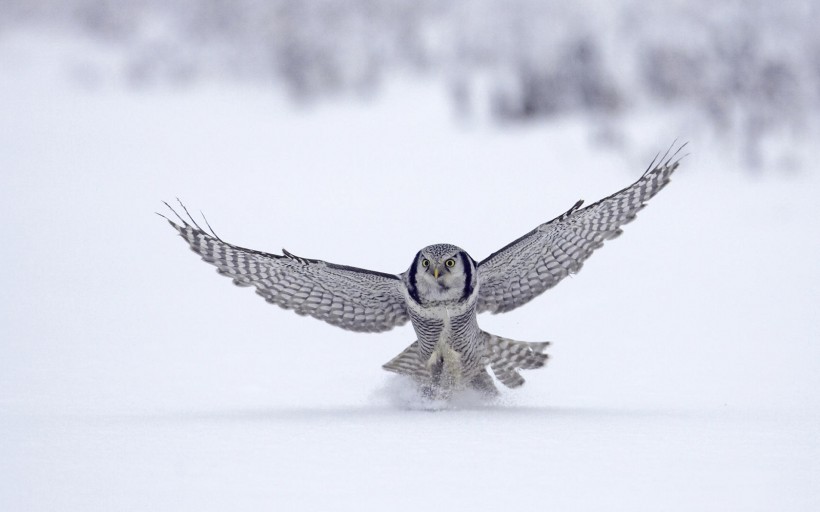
(539, 260)
(348, 297)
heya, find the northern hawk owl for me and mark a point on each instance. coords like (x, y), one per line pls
(442, 291)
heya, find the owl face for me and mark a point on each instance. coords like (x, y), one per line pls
(442, 273)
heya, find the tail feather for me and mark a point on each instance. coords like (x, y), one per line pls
(409, 363)
(506, 357)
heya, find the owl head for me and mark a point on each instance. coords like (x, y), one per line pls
(441, 273)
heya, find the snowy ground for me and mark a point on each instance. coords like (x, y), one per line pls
(686, 362)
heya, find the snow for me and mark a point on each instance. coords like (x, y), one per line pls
(685, 365)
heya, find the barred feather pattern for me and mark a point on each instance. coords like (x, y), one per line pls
(459, 331)
(409, 363)
(504, 356)
(348, 297)
(507, 356)
(540, 259)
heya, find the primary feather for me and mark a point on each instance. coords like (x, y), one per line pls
(539, 260)
(348, 297)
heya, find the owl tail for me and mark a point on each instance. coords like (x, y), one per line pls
(409, 363)
(504, 356)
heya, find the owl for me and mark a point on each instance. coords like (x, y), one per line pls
(443, 290)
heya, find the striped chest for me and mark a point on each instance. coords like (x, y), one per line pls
(455, 327)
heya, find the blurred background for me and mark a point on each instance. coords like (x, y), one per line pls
(746, 72)
(685, 363)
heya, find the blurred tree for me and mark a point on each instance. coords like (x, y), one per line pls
(750, 68)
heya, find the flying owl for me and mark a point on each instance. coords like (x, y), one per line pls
(442, 292)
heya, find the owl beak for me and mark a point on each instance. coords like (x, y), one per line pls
(435, 272)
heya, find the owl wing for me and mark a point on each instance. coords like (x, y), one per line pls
(351, 298)
(540, 259)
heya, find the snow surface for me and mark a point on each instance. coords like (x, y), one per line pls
(685, 367)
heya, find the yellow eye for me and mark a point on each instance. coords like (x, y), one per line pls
(425, 263)
(450, 263)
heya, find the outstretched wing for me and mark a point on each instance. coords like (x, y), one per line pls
(348, 297)
(538, 260)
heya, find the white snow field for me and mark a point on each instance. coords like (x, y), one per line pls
(685, 370)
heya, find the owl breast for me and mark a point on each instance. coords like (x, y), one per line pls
(443, 330)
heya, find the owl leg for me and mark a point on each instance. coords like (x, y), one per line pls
(431, 391)
(441, 383)
(484, 384)
(428, 379)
